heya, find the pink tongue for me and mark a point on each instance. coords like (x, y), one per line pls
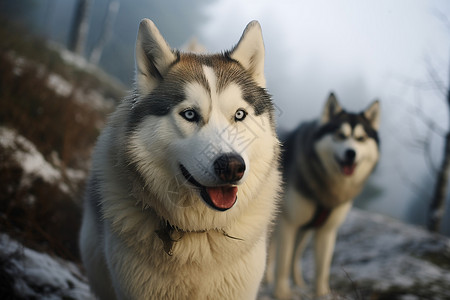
(348, 170)
(223, 197)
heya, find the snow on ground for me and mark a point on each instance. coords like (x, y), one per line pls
(59, 85)
(31, 160)
(377, 257)
(387, 255)
(63, 87)
(40, 276)
(70, 57)
(33, 164)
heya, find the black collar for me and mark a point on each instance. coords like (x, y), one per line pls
(170, 234)
(320, 217)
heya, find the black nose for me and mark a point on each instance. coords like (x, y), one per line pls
(350, 155)
(229, 167)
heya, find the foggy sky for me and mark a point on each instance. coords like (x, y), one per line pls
(352, 47)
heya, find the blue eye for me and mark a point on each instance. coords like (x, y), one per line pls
(361, 138)
(240, 115)
(340, 136)
(190, 115)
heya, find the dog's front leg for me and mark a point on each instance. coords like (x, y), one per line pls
(113, 246)
(303, 238)
(324, 245)
(285, 244)
(270, 266)
(130, 274)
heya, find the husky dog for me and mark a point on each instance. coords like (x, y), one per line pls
(185, 177)
(325, 165)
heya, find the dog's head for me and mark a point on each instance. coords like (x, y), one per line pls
(347, 143)
(201, 126)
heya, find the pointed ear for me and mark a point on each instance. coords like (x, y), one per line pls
(332, 108)
(153, 57)
(249, 52)
(372, 113)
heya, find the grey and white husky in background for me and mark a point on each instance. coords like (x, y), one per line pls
(325, 165)
(185, 177)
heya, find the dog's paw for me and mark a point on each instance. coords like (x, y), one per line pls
(268, 278)
(322, 290)
(298, 280)
(329, 296)
(282, 292)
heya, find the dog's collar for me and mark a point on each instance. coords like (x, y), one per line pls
(320, 217)
(170, 234)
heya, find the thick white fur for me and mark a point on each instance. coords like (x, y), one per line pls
(125, 259)
(289, 241)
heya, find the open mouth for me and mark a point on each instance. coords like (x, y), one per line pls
(220, 198)
(347, 167)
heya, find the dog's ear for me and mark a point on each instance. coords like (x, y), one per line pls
(153, 57)
(249, 52)
(372, 113)
(332, 108)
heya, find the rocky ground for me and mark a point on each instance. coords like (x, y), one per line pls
(377, 257)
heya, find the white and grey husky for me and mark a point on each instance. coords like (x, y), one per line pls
(325, 165)
(185, 177)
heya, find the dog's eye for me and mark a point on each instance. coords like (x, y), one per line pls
(240, 115)
(340, 136)
(190, 115)
(361, 138)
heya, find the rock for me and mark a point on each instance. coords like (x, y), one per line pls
(28, 274)
(377, 257)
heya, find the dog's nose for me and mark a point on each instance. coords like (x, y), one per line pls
(229, 167)
(350, 155)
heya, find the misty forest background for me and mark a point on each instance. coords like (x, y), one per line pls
(65, 64)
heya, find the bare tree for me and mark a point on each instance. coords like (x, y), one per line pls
(440, 174)
(437, 205)
(80, 26)
(113, 9)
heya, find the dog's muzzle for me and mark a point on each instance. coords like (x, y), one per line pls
(348, 164)
(229, 168)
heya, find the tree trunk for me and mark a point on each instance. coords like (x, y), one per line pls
(437, 207)
(80, 26)
(113, 9)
